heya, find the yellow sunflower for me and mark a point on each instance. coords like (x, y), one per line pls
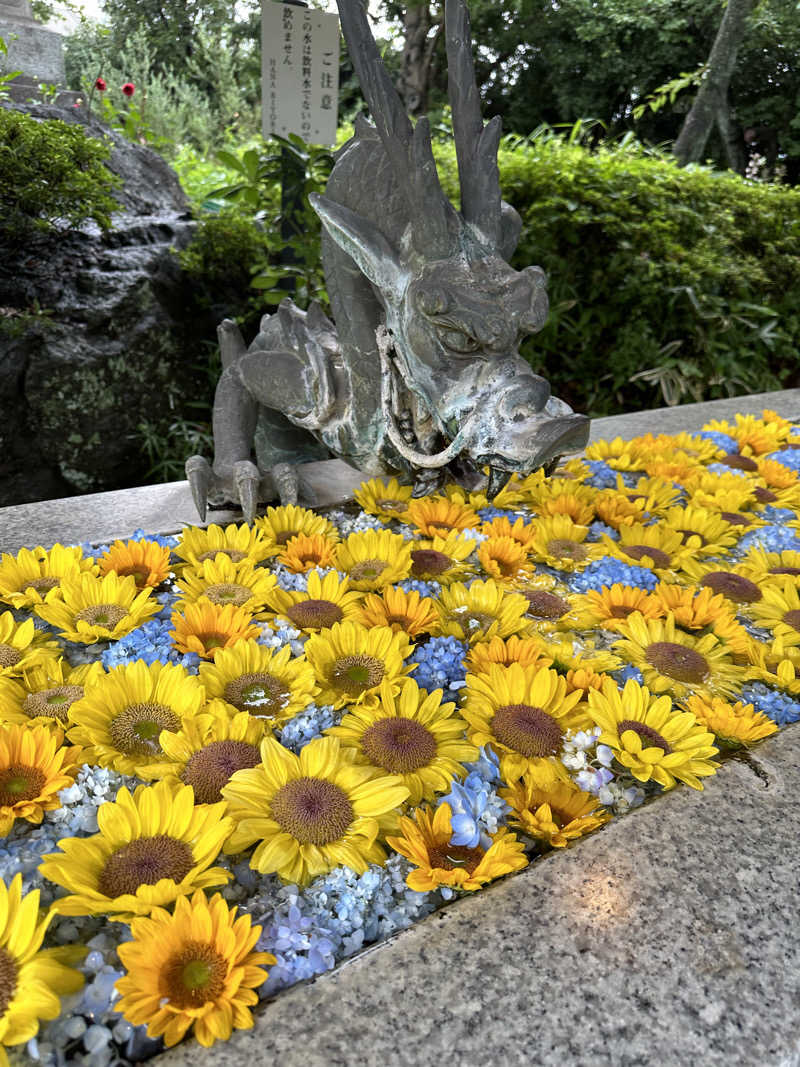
(146, 561)
(615, 509)
(223, 582)
(31, 979)
(693, 608)
(482, 611)
(570, 655)
(618, 454)
(704, 532)
(372, 559)
(267, 684)
(350, 662)
(387, 500)
(425, 841)
(280, 525)
(651, 495)
(34, 575)
(195, 968)
(560, 543)
(152, 848)
(99, 609)
(733, 581)
(520, 531)
(436, 516)
(549, 609)
(307, 552)
(505, 560)
(521, 712)
(649, 738)
(239, 543)
(312, 812)
(326, 601)
(205, 628)
(22, 646)
(656, 547)
(576, 502)
(45, 692)
(733, 724)
(773, 568)
(607, 607)
(413, 735)
(442, 559)
(552, 810)
(400, 611)
(208, 749)
(34, 766)
(120, 718)
(527, 651)
(676, 662)
(779, 610)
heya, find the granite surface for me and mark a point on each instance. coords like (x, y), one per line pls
(669, 938)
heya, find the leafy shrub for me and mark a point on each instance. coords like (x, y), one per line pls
(51, 177)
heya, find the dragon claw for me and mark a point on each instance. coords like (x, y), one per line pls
(284, 476)
(200, 477)
(246, 479)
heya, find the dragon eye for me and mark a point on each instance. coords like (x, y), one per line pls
(457, 340)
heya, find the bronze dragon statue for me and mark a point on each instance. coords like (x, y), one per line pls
(421, 375)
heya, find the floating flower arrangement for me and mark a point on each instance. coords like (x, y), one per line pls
(230, 759)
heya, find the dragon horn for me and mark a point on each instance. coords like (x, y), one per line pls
(198, 475)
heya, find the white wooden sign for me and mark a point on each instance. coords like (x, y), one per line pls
(299, 72)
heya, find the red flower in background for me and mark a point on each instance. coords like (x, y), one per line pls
(128, 88)
(100, 85)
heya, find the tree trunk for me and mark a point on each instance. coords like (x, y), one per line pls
(712, 96)
(418, 48)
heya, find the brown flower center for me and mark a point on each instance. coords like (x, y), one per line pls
(677, 661)
(792, 618)
(42, 585)
(793, 571)
(686, 534)
(454, 857)
(8, 980)
(475, 621)
(233, 554)
(738, 462)
(565, 548)
(313, 810)
(368, 570)
(52, 703)
(314, 614)
(228, 593)
(9, 656)
(354, 675)
(398, 745)
(428, 563)
(527, 730)
(261, 694)
(650, 738)
(733, 586)
(638, 552)
(140, 572)
(104, 615)
(145, 861)
(392, 505)
(764, 496)
(193, 977)
(621, 611)
(211, 768)
(735, 518)
(136, 729)
(285, 536)
(544, 605)
(445, 527)
(19, 783)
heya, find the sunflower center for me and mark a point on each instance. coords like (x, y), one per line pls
(764, 496)
(650, 738)
(313, 810)
(213, 639)
(211, 768)
(135, 730)
(733, 586)
(145, 861)
(261, 694)
(233, 554)
(737, 462)
(392, 505)
(105, 615)
(194, 976)
(660, 558)
(445, 527)
(527, 730)
(793, 571)
(399, 745)
(52, 703)
(8, 980)
(354, 675)
(427, 561)
(9, 656)
(544, 605)
(621, 611)
(677, 661)
(454, 857)
(42, 585)
(367, 570)
(686, 534)
(792, 618)
(735, 518)
(228, 593)
(285, 536)
(19, 783)
(139, 571)
(507, 568)
(565, 548)
(316, 614)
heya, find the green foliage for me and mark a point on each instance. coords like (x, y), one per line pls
(666, 285)
(9, 76)
(51, 177)
(227, 249)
